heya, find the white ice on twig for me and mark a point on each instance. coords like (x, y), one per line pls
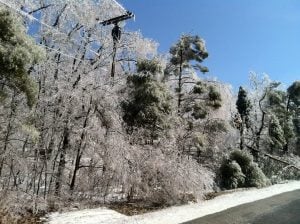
(173, 215)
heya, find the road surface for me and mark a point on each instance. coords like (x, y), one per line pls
(280, 209)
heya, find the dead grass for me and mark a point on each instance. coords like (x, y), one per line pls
(6, 217)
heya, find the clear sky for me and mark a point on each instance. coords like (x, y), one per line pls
(241, 35)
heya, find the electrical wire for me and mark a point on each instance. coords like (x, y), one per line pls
(66, 55)
(42, 45)
(118, 4)
(60, 52)
(57, 31)
(46, 25)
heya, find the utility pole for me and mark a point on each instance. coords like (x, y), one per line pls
(116, 35)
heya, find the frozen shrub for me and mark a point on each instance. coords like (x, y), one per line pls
(290, 173)
(199, 112)
(19, 207)
(255, 177)
(169, 180)
(232, 175)
(240, 171)
(243, 158)
(278, 171)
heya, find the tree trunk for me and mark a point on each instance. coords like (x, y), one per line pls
(242, 133)
(79, 149)
(8, 130)
(62, 161)
(286, 146)
(179, 90)
(274, 158)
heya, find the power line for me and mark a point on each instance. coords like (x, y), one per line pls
(60, 52)
(118, 4)
(66, 55)
(57, 31)
(33, 18)
(46, 25)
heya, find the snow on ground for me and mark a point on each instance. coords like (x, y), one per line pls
(87, 216)
(172, 215)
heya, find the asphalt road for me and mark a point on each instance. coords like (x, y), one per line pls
(280, 209)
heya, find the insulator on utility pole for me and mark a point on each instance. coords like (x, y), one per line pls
(116, 34)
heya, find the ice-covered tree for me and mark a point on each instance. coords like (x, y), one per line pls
(189, 52)
(148, 105)
(243, 106)
(260, 112)
(279, 106)
(294, 107)
(294, 93)
(276, 134)
(239, 170)
(75, 116)
(18, 55)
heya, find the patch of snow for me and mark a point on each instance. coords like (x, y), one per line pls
(87, 216)
(176, 214)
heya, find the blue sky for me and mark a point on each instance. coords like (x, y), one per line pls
(241, 35)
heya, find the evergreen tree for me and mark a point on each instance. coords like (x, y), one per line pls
(296, 122)
(243, 105)
(294, 107)
(214, 97)
(202, 98)
(17, 54)
(276, 134)
(188, 50)
(241, 171)
(279, 105)
(294, 93)
(149, 102)
(201, 130)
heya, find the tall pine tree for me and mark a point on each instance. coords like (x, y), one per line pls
(243, 106)
(188, 52)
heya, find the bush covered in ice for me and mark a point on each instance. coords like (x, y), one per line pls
(232, 174)
(241, 171)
